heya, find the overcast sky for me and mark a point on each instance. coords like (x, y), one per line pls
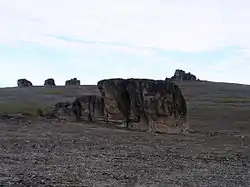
(98, 39)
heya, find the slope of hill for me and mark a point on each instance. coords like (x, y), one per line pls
(215, 106)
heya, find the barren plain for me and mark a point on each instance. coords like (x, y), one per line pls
(38, 152)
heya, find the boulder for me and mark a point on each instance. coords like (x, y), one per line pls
(49, 82)
(89, 106)
(60, 110)
(24, 83)
(73, 82)
(181, 75)
(153, 105)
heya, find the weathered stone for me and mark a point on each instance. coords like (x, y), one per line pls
(116, 98)
(63, 109)
(59, 110)
(92, 106)
(77, 109)
(73, 82)
(49, 82)
(181, 75)
(89, 106)
(156, 105)
(24, 83)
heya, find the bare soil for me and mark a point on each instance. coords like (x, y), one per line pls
(36, 152)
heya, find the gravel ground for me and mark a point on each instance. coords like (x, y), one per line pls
(54, 153)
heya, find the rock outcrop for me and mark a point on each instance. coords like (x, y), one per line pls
(155, 105)
(61, 110)
(88, 107)
(92, 106)
(73, 82)
(49, 82)
(181, 75)
(24, 83)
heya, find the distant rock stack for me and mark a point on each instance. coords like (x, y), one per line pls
(181, 75)
(73, 82)
(21, 83)
(49, 82)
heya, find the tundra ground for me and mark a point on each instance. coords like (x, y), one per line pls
(54, 153)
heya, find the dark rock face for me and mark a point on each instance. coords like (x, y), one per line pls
(181, 75)
(157, 104)
(92, 106)
(73, 82)
(116, 98)
(24, 83)
(89, 106)
(49, 82)
(77, 109)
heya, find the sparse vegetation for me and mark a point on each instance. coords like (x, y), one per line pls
(53, 91)
(29, 109)
(234, 100)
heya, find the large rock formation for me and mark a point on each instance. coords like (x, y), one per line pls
(155, 105)
(49, 82)
(73, 82)
(24, 83)
(181, 75)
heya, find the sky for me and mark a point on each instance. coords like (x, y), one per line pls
(97, 39)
